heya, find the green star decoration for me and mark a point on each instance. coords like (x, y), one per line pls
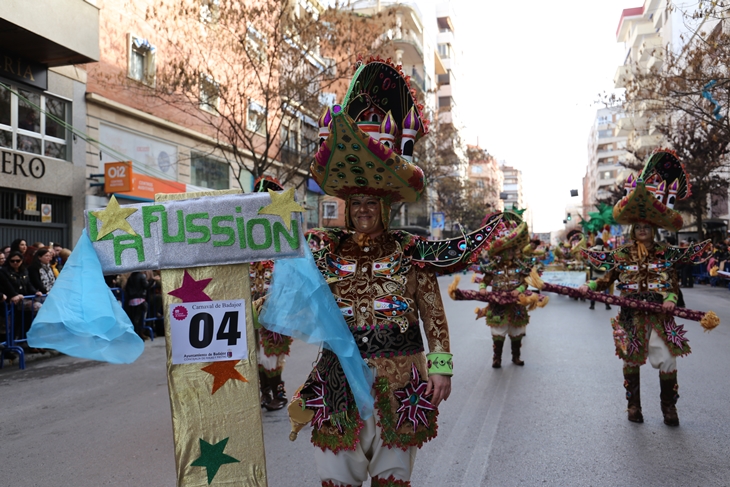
(212, 457)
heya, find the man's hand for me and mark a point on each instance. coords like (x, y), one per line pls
(483, 290)
(515, 293)
(583, 289)
(16, 299)
(668, 306)
(440, 385)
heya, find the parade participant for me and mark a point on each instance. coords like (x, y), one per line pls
(645, 270)
(383, 281)
(273, 347)
(597, 272)
(506, 270)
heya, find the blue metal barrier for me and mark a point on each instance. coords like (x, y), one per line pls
(16, 329)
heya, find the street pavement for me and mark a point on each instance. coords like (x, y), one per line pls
(558, 421)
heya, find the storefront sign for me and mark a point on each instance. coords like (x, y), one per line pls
(117, 177)
(146, 187)
(17, 68)
(23, 165)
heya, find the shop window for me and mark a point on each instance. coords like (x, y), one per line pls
(34, 122)
(208, 172)
(141, 60)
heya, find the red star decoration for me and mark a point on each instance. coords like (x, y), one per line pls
(222, 372)
(191, 290)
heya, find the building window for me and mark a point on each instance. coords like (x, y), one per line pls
(209, 94)
(476, 169)
(141, 60)
(33, 122)
(445, 51)
(602, 134)
(329, 210)
(208, 172)
(256, 118)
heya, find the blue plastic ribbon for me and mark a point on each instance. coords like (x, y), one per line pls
(708, 96)
(301, 305)
(82, 317)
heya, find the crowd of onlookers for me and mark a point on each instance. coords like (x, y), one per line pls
(28, 273)
(27, 270)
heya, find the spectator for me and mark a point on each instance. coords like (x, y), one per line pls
(2, 259)
(40, 271)
(6, 251)
(17, 276)
(685, 269)
(18, 245)
(135, 291)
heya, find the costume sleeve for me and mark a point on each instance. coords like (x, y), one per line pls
(604, 282)
(486, 280)
(431, 311)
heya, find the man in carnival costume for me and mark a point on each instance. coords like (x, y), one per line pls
(383, 282)
(506, 270)
(273, 347)
(645, 270)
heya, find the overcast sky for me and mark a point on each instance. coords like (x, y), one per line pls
(531, 73)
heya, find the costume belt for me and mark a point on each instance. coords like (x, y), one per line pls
(388, 341)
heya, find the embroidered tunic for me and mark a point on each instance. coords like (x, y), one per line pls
(272, 343)
(381, 294)
(653, 279)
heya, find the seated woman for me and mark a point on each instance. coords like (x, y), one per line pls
(40, 271)
(17, 276)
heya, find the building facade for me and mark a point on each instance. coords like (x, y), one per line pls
(42, 108)
(606, 157)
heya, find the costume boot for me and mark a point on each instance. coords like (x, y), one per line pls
(516, 345)
(668, 396)
(633, 395)
(593, 305)
(266, 393)
(497, 346)
(279, 399)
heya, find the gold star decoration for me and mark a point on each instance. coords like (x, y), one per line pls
(282, 205)
(222, 372)
(114, 217)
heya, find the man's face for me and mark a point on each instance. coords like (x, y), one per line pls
(365, 214)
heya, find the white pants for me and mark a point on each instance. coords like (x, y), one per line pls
(348, 467)
(503, 330)
(659, 356)
(270, 364)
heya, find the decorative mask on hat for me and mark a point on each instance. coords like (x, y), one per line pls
(650, 198)
(366, 143)
(510, 233)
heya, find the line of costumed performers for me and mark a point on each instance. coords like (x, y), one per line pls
(383, 282)
(644, 271)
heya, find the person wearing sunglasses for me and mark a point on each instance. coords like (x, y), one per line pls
(16, 275)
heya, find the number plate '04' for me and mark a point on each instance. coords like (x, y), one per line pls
(209, 331)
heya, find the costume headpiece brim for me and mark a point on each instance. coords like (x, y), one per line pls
(642, 206)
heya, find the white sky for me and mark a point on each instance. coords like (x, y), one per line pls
(531, 73)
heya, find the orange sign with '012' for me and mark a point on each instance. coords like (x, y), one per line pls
(118, 177)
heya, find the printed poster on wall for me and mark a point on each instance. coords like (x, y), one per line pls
(208, 331)
(46, 213)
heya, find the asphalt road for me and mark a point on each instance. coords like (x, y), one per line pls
(558, 421)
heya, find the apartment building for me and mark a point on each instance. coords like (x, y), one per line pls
(511, 194)
(606, 155)
(43, 159)
(485, 172)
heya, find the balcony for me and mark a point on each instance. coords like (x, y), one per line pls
(652, 46)
(647, 141)
(638, 31)
(51, 32)
(626, 125)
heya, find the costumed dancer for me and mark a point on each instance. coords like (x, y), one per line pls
(273, 347)
(645, 270)
(383, 282)
(506, 270)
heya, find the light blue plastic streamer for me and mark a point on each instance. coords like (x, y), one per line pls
(300, 304)
(81, 317)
